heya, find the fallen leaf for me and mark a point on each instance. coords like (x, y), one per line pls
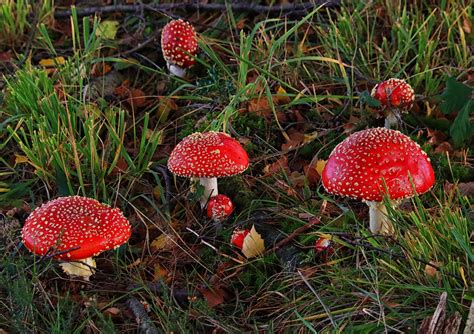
(107, 29)
(159, 273)
(100, 69)
(112, 312)
(282, 96)
(214, 296)
(52, 62)
(278, 165)
(430, 270)
(295, 140)
(21, 159)
(137, 98)
(467, 26)
(166, 105)
(320, 164)
(253, 244)
(161, 242)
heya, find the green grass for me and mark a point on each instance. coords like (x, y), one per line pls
(64, 131)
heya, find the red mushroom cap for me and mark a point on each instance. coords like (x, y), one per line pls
(179, 43)
(70, 222)
(322, 244)
(394, 93)
(238, 237)
(208, 154)
(219, 207)
(360, 166)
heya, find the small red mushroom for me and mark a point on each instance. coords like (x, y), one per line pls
(179, 46)
(393, 95)
(207, 156)
(238, 237)
(76, 228)
(376, 162)
(219, 207)
(322, 244)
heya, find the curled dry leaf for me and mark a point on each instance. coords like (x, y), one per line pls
(253, 244)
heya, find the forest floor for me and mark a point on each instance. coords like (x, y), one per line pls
(87, 107)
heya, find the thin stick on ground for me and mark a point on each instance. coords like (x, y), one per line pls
(300, 9)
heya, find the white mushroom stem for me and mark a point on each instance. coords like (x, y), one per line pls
(392, 119)
(176, 70)
(379, 221)
(210, 189)
(85, 268)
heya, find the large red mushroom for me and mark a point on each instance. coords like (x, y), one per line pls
(393, 95)
(207, 156)
(376, 162)
(76, 229)
(179, 46)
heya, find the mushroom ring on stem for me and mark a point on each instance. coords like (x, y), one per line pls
(207, 156)
(393, 95)
(82, 225)
(179, 46)
(376, 162)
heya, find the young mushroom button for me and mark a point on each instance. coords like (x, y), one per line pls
(77, 228)
(376, 162)
(207, 156)
(393, 95)
(219, 207)
(179, 46)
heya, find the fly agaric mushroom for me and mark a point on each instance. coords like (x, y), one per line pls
(179, 46)
(219, 207)
(76, 228)
(393, 95)
(207, 156)
(238, 237)
(376, 162)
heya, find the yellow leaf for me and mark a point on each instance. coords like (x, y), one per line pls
(320, 166)
(21, 159)
(107, 29)
(52, 62)
(282, 97)
(162, 241)
(253, 244)
(430, 270)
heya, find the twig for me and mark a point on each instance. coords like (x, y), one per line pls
(141, 316)
(195, 6)
(293, 235)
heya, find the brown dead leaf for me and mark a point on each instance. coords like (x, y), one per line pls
(430, 270)
(137, 98)
(166, 105)
(163, 241)
(444, 147)
(215, 296)
(100, 69)
(295, 139)
(280, 164)
(467, 26)
(436, 137)
(112, 312)
(6, 57)
(159, 273)
(123, 89)
(260, 106)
